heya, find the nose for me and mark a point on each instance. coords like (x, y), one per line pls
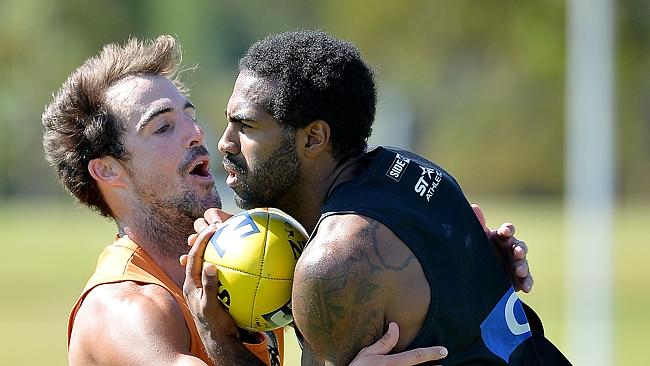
(228, 143)
(197, 136)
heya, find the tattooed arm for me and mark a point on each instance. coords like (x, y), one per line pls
(334, 301)
(343, 287)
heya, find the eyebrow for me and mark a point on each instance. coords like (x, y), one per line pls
(239, 116)
(156, 112)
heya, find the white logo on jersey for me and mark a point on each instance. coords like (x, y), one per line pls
(515, 327)
(428, 182)
(398, 167)
(501, 331)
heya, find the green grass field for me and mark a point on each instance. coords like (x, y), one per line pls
(51, 249)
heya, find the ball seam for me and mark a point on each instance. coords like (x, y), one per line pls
(266, 241)
(259, 276)
(253, 274)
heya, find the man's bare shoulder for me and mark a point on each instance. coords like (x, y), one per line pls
(341, 288)
(349, 232)
(350, 235)
(130, 293)
(127, 323)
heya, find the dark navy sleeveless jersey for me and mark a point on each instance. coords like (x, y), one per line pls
(474, 311)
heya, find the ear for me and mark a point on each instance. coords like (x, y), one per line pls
(108, 171)
(314, 138)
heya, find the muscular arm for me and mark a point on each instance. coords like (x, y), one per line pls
(130, 324)
(214, 323)
(340, 292)
(215, 326)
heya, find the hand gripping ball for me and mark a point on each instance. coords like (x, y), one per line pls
(255, 253)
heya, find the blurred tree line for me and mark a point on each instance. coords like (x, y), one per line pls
(482, 82)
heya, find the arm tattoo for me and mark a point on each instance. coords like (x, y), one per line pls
(341, 309)
(372, 234)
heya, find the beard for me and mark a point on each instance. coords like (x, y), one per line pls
(270, 183)
(166, 220)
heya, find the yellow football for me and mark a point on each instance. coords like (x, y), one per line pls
(255, 253)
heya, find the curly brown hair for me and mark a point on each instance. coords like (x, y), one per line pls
(78, 126)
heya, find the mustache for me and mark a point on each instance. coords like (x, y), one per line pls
(194, 153)
(235, 162)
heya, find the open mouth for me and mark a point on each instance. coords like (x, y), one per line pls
(232, 174)
(201, 169)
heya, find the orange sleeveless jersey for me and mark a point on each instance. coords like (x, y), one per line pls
(124, 260)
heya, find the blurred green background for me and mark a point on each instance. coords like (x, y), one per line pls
(474, 85)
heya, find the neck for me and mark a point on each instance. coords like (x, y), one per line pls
(306, 205)
(163, 240)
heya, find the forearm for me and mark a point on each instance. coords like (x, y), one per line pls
(215, 326)
(228, 350)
